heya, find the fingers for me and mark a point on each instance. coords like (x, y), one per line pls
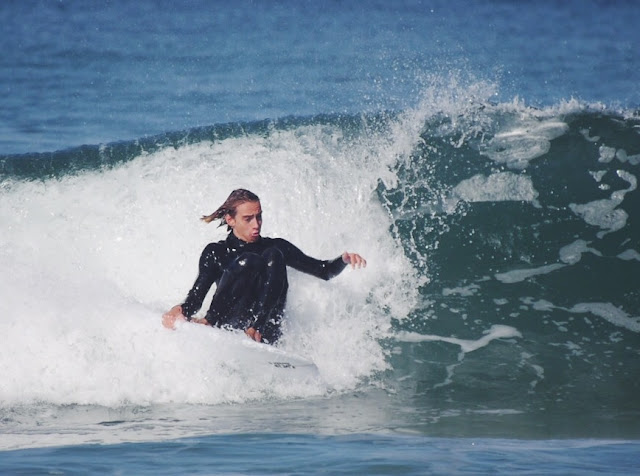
(254, 334)
(354, 259)
(169, 320)
(170, 317)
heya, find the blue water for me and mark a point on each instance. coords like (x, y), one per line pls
(483, 156)
(76, 73)
(353, 454)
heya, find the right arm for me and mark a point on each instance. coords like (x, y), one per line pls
(209, 272)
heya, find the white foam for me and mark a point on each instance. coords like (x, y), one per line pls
(466, 345)
(569, 255)
(598, 175)
(629, 255)
(519, 275)
(605, 310)
(466, 291)
(585, 133)
(572, 253)
(604, 213)
(622, 156)
(610, 313)
(528, 138)
(91, 261)
(607, 154)
(498, 187)
(539, 304)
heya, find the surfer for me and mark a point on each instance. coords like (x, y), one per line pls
(250, 273)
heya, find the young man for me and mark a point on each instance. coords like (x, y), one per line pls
(250, 273)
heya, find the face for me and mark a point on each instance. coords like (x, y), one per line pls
(247, 223)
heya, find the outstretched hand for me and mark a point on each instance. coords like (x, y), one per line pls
(354, 259)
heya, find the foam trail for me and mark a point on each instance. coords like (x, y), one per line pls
(466, 345)
(518, 275)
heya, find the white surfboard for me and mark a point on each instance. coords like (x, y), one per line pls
(273, 359)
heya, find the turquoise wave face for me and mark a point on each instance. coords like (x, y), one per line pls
(530, 223)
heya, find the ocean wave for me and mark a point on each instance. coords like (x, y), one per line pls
(472, 215)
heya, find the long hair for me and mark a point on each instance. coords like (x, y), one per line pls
(235, 198)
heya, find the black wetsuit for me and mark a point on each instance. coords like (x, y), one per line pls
(251, 280)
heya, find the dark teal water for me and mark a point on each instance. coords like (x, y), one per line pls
(547, 246)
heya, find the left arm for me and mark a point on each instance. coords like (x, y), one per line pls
(326, 270)
(323, 269)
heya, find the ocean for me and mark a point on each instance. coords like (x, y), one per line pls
(482, 156)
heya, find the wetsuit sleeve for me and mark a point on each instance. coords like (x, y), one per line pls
(209, 272)
(323, 269)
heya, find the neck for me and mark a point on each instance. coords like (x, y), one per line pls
(240, 241)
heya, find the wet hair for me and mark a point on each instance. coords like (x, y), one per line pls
(230, 205)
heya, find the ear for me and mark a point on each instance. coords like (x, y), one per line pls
(230, 220)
